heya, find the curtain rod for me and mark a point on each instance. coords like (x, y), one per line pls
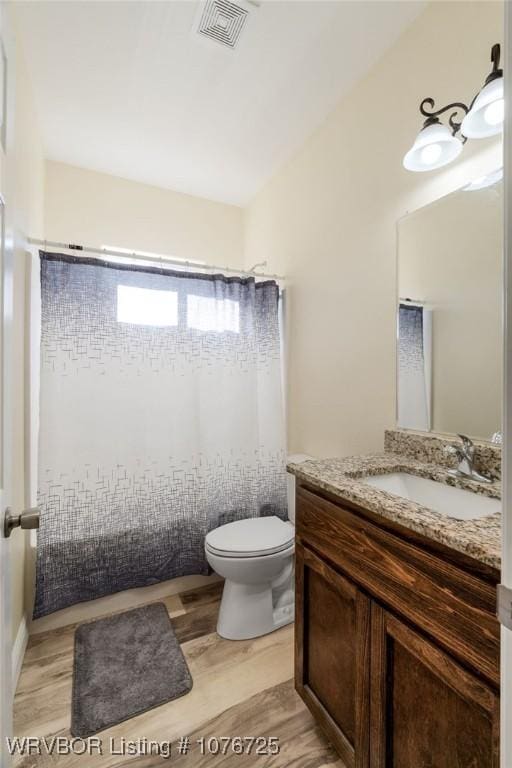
(162, 260)
(413, 302)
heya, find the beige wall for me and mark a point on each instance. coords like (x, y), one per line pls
(96, 209)
(328, 221)
(451, 257)
(24, 205)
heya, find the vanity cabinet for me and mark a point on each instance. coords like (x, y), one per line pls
(332, 667)
(427, 710)
(397, 643)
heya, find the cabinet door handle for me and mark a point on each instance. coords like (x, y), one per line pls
(29, 518)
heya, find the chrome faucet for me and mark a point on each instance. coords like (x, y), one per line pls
(465, 453)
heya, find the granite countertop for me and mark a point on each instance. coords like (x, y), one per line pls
(480, 538)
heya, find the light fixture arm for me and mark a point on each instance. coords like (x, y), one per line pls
(495, 59)
(454, 120)
(433, 115)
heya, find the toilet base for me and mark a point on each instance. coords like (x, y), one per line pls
(250, 610)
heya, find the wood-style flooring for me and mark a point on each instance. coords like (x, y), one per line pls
(242, 688)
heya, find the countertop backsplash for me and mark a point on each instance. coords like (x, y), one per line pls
(430, 448)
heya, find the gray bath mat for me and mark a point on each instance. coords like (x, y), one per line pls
(124, 665)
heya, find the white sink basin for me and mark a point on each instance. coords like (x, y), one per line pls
(448, 501)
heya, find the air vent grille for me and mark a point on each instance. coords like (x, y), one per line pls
(222, 21)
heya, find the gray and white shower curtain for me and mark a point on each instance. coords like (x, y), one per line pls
(161, 417)
(414, 367)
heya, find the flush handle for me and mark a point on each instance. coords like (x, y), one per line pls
(28, 519)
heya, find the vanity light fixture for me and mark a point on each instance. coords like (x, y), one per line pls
(437, 144)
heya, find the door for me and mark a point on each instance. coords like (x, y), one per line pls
(426, 710)
(5, 474)
(6, 274)
(332, 638)
(506, 557)
(6, 319)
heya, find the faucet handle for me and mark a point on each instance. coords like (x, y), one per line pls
(467, 444)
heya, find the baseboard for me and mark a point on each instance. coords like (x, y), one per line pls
(18, 651)
(120, 601)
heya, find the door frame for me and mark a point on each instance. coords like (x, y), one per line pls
(6, 693)
(506, 561)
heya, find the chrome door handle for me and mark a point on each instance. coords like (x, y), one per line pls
(29, 518)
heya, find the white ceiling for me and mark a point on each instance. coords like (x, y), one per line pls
(127, 88)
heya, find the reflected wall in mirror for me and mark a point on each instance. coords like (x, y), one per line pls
(449, 360)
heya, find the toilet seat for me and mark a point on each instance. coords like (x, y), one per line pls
(255, 537)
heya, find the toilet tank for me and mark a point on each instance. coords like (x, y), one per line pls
(296, 458)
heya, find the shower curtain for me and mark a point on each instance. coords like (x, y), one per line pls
(161, 417)
(414, 367)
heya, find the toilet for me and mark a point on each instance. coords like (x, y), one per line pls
(256, 559)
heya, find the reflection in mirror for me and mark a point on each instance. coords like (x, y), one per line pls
(450, 314)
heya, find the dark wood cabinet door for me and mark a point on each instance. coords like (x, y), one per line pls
(332, 638)
(427, 711)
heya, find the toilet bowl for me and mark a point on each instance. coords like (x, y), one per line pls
(255, 557)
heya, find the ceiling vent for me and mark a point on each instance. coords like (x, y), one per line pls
(222, 21)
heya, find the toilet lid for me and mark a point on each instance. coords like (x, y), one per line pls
(258, 535)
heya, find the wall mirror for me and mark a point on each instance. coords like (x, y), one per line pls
(449, 317)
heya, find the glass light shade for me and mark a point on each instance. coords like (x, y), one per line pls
(485, 117)
(434, 147)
